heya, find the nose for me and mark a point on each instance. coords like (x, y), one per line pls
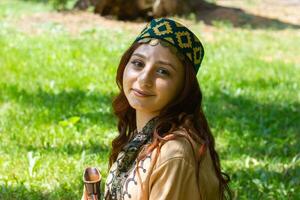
(145, 78)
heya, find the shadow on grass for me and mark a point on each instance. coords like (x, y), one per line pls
(211, 13)
(53, 108)
(21, 192)
(66, 191)
(255, 129)
(49, 107)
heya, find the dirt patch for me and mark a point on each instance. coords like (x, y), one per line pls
(73, 22)
(286, 11)
(274, 14)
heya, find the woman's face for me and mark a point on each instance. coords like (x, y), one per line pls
(152, 78)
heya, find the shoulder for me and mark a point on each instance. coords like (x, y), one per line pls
(180, 149)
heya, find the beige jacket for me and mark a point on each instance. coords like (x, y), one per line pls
(175, 175)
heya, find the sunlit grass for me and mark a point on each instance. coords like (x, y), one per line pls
(56, 118)
(15, 8)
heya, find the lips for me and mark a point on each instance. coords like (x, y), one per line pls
(142, 93)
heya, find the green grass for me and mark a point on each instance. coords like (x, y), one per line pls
(56, 116)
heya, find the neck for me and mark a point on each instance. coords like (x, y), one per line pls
(142, 118)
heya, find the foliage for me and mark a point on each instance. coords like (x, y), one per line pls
(56, 119)
(59, 4)
(56, 4)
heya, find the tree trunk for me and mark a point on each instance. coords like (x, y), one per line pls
(132, 9)
(123, 9)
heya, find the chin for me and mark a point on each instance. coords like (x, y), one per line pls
(140, 107)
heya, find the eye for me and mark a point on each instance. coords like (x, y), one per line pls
(137, 63)
(163, 71)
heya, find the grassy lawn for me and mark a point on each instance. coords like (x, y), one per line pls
(56, 117)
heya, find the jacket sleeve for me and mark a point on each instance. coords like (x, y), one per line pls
(174, 180)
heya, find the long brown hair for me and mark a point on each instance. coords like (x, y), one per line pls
(186, 110)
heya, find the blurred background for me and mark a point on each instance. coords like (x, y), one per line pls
(58, 60)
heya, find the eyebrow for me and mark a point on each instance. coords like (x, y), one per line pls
(161, 62)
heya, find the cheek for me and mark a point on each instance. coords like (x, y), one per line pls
(167, 89)
(129, 76)
(126, 77)
(172, 92)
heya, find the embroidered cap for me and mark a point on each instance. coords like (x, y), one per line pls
(177, 35)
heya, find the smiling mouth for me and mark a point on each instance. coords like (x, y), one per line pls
(141, 93)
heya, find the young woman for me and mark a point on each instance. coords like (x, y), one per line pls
(165, 149)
